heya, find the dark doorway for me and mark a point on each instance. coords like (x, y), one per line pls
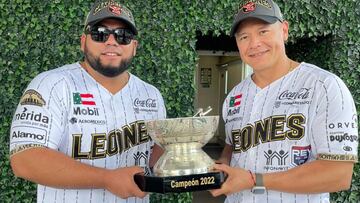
(311, 50)
(215, 43)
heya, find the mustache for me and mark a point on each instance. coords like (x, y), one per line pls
(107, 70)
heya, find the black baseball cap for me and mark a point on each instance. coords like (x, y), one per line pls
(103, 9)
(266, 10)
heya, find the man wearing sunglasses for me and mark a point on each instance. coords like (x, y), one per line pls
(78, 131)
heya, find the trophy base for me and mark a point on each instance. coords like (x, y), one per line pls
(178, 184)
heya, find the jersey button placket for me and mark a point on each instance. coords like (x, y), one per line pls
(255, 112)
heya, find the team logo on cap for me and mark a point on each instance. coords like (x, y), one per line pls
(115, 9)
(249, 7)
(106, 4)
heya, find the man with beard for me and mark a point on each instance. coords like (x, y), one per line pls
(78, 131)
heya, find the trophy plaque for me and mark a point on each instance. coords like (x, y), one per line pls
(184, 166)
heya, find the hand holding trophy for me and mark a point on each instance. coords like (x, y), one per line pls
(184, 166)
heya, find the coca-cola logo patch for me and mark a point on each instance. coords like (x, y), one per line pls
(303, 93)
(291, 97)
(148, 105)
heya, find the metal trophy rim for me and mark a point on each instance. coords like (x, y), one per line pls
(177, 146)
(179, 118)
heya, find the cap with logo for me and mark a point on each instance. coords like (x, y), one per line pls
(266, 10)
(103, 9)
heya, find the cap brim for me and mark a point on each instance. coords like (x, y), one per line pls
(124, 20)
(267, 19)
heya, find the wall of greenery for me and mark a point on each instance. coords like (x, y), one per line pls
(39, 35)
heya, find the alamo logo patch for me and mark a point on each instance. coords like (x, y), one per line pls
(32, 97)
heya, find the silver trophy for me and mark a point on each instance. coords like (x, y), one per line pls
(184, 166)
(183, 139)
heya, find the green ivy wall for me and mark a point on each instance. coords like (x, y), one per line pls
(38, 35)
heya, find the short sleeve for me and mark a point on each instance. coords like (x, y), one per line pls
(225, 108)
(40, 116)
(162, 109)
(334, 128)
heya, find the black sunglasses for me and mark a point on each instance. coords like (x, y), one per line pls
(101, 34)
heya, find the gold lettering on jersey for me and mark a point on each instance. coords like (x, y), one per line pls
(76, 152)
(112, 143)
(133, 135)
(277, 128)
(260, 131)
(115, 142)
(245, 137)
(270, 129)
(236, 140)
(338, 157)
(129, 138)
(98, 146)
(295, 124)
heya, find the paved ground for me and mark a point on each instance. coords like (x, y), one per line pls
(205, 197)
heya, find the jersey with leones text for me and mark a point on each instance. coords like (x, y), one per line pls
(306, 115)
(65, 109)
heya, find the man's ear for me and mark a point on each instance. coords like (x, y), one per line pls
(285, 30)
(82, 42)
(135, 44)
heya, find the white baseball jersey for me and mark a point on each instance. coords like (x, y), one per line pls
(307, 114)
(65, 109)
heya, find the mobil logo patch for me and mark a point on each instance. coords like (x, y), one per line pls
(84, 104)
(300, 154)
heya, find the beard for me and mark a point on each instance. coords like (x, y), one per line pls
(106, 70)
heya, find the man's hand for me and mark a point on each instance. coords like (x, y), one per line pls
(55, 169)
(237, 180)
(121, 182)
(317, 176)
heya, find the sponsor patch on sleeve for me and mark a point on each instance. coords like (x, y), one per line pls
(27, 134)
(29, 116)
(338, 157)
(24, 147)
(32, 97)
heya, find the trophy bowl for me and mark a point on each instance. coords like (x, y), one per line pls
(182, 140)
(183, 166)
